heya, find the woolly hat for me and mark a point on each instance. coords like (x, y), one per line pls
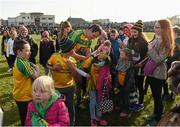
(45, 34)
(138, 26)
(67, 45)
(128, 25)
(23, 28)
(128, 52)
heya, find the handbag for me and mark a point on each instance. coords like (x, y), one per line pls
(149, 67)
(106, 104)
(121, 78)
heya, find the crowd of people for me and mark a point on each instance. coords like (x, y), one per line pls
(122, 62)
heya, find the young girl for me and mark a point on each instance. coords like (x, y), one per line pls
(127, 35)
(65, 30)
(46, 50)
(94, 105)
(158, 50)
(47, 107)
(138, 44)
(125, 80)
(102, 53)
(9, 51)
(5, 38)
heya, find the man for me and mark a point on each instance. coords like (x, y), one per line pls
(84, 38)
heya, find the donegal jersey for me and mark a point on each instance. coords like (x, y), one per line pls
(79, 37)
(22, 72)
(63, 78)
(82, 43)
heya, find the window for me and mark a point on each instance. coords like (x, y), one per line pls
(50, 18)
(23, 17)
(50, 24)
(43, 18)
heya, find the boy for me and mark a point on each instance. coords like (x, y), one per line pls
(24, 73)
(64, 73)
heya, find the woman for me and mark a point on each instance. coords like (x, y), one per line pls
(158, 50)
(65, 29)
(5, 38)
(139, 46)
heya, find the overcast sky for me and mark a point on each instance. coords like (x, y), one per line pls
(115, 10)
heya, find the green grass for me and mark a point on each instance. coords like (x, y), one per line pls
(11, 116)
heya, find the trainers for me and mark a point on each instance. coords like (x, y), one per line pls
(136, 107)
(152, 123)
(123, 114)
(93, 123)
(150, 117)
(103, 122)
(9, 70)
(167, 98)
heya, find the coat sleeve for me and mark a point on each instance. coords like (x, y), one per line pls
(63, 115)
(157, 57)
(34, 48)
(2, 45)
(8, 48)
(28, 117)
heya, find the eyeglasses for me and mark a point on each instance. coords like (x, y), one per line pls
(157, 27)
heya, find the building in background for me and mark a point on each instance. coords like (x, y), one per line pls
(175, 20)
(78, 22)
(3, 22)
(35, 19)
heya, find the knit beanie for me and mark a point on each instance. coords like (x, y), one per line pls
(23, 28)
(45, 34)
(67, 45)
(128, 52)
(128, 25)
(138, 26)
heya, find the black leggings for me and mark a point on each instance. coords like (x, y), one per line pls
(22, 106)
(139, 80)
(11, 60)
(156, 88)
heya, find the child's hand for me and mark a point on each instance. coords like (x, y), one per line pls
(70, 65)
(88, 77)
(35, 67)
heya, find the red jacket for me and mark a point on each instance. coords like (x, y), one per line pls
(56, 115)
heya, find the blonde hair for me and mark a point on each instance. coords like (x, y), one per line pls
(44, 83)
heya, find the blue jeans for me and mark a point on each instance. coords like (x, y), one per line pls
(94, 105)
(69, 94)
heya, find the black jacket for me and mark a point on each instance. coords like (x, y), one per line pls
(34, 47)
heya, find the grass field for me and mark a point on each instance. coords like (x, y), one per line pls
(11, 116)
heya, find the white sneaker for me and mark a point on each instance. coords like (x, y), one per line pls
(10, 70)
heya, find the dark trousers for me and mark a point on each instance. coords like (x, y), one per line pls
(69, 94)
(11, 60)
(23, 107)
(156, 88)
(139, 80)
(7, 59)
(84, 81)
(165, 88)
(124, 100)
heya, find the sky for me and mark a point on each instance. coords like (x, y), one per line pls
(115, 10)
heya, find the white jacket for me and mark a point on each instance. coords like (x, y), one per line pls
(9, 50)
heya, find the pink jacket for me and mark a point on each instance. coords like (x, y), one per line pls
(56, 115)
(104, 75)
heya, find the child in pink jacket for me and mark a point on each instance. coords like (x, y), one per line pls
(47, 109)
